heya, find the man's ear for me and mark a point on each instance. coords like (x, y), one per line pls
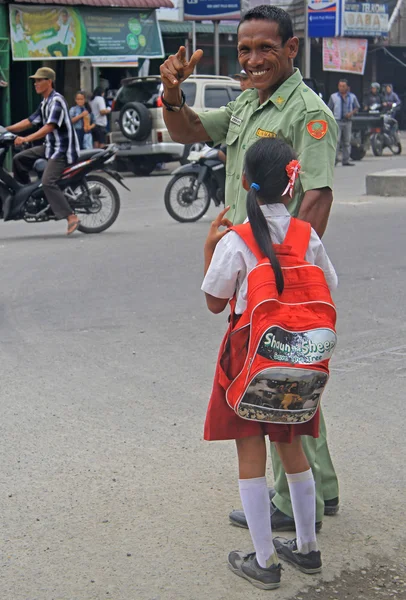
(293, 47)
(245, 183)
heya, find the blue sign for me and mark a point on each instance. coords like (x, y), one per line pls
(323, 18)
(213, 10)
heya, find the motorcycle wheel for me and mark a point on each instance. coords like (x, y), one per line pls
(357, 152)
(396, 148)
(104, 208)
(377, 145)
(178, 201)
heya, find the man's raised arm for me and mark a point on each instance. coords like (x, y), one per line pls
(183, 125)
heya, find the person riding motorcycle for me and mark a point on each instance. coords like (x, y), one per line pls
(390, 98)
(373, 98)
(61, 146)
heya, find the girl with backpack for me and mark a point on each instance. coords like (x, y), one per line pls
(269, 176)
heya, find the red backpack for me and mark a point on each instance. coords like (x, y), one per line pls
(274, 359)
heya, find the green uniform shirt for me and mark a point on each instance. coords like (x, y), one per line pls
(294, 113)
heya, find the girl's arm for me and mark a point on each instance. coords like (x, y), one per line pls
(317, 255)
(215, 305)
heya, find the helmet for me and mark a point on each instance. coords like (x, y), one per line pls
(376, 85)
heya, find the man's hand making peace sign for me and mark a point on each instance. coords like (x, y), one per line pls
(183, 125)
(177, 68)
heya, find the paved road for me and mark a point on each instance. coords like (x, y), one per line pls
(107, 354)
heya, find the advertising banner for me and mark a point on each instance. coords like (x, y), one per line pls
(39, 32)
(213, 10)
(365, 19)
(344, 55)
(323, 18)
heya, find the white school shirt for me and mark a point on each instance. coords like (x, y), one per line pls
(233, 260)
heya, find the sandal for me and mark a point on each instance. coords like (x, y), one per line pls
(72, 226)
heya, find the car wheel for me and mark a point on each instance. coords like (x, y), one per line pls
(135, 121)
(188, 149)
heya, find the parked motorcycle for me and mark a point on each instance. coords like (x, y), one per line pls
(388, 135)
(92, 197)
(193, 186)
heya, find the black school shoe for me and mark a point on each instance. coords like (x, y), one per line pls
(307, 563)
(279, 521)
(246, 566)
(331, 507)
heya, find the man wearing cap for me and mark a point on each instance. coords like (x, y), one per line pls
(61, 146)
(280, 105)
(244, 80)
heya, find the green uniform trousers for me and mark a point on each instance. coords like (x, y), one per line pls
(318, 455)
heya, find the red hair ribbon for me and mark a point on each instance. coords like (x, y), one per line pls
(292, 170)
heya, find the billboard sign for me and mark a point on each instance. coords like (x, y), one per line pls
(365, 19)
(60, 33)
(323, 18)
(344, 55)
(213, 10)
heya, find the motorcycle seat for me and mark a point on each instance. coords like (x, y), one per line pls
(86, 154)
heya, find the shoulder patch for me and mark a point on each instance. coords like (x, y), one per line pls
(317, 129)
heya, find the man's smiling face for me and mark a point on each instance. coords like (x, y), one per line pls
(262, 54)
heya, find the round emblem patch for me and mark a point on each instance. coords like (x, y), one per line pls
(317, 129)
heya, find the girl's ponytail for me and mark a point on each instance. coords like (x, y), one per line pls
(262, 234)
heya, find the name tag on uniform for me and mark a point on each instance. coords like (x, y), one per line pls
(236, 120)
(265, 134)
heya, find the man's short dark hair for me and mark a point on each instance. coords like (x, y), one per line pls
(343, 81)
(267, 12)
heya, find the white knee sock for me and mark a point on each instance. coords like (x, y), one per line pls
(257, 508)
(303, 496)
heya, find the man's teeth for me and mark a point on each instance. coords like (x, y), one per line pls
(258, 73)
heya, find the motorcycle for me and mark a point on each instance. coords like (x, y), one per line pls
(194, 185)
(364, 126)
(388, 135)
(92, 197)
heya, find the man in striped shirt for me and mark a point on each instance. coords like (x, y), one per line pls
(61, 146)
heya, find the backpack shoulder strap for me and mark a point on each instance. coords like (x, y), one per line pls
(298, 236)
(245, 233)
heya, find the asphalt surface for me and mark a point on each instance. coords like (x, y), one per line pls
(107, 352)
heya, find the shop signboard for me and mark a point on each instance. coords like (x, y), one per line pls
(365, 19)
(39, 32)
(323, 18)
(345, 55)
(213, 10)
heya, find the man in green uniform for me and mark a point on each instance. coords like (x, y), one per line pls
(279, 105)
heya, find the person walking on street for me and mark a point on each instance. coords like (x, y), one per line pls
(344, 105)
(100, 112)
(280, 105)
(269, 175)
(61, 146)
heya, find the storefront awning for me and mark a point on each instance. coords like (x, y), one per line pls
(120, 64)
(113, 4)
(186, 27)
